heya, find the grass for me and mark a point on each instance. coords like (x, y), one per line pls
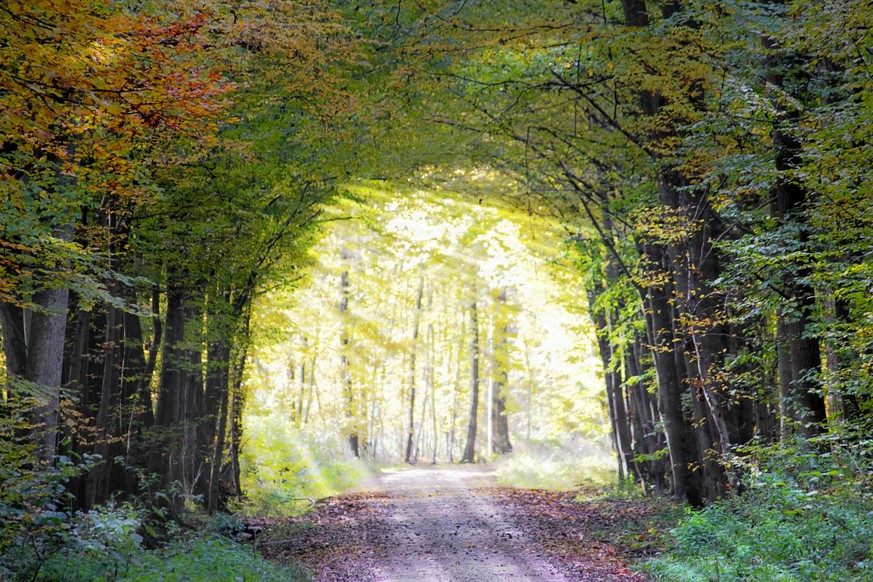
(540, 466)
(283, 469)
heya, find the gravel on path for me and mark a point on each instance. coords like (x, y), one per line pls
(433, 524)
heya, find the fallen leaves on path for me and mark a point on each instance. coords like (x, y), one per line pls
(344, 537)
(339, 540)
(595, 538)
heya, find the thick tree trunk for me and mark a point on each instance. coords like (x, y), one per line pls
(165, 458)
(33, 342)
(501, 445)
(798, 351)
(671, 385)
(45, 357)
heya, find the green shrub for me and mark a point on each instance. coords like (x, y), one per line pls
(34, 518)
(105, 544)
(191, 560)
(800, 518)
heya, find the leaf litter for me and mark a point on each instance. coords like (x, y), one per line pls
(448, 524)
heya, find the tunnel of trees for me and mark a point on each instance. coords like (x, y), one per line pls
(700, 170)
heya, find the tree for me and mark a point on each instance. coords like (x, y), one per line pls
(626, 144)
(121, 150)
(469, 455)
(87, 87)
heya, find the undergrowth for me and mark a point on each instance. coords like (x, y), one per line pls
(42, 537)
(106, 544)
(195, 559)
(283, 469)
(804, 514)
(556, 468)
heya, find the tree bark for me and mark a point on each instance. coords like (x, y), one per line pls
(345, 362)
(45, 357)
(799, 352)
(410, 427)
(677, 429)
(97, 482)
(469, 455)
(618, 417)
(500, 370)
(165, 459)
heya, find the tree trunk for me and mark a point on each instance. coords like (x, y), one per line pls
(648, 439)
(680, 443)
(410, 427)
(45, 356)
(500, 371)
(621, 436)
(136, 391)
(431, 370)
(215, 499)
(798, 351)
(97, 482)
(469, 455)
(165, 458)
(237, 405)
(14, 341)
(345, 363)
(215, 419)
(456, 393)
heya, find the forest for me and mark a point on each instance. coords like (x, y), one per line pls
(252, 249)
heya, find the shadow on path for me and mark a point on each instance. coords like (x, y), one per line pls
(428, 523)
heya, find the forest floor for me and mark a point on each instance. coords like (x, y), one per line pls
(455, 523)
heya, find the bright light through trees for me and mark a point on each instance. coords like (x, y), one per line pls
(435, 253)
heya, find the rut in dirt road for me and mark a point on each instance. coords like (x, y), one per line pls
(438, 524)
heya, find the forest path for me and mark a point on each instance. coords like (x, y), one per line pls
(441, 524)
(444, 526)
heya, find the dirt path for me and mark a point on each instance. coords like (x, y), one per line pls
(438, 524)
(445, 527)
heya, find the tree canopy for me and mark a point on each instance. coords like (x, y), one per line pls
(171, 171)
